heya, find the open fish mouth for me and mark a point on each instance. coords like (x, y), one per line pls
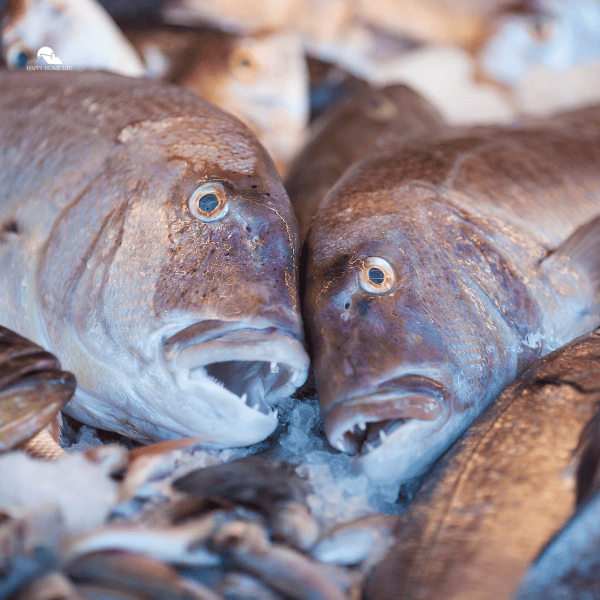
(362, 423)
(258, 367)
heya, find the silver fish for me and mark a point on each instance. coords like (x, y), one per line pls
(501, 492)
(147, 240)
(438, 271)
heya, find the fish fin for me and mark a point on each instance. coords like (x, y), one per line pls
(583, 248)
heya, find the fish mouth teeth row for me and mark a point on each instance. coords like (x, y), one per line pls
(258, 384)
(365, 436)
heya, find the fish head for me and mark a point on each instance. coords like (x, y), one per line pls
(181, 316)
(407, 346)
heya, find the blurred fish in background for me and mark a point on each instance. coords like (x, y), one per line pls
(81, 34)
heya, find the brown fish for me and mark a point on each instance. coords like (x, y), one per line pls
(438, 271)
(32, 389)
(147, 240)
(501, 491)
(350, 130)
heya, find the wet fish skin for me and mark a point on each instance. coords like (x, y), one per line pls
(32, 389)
(261, 79)
(502, 490)
(491, 250)
(104, 264)
(352, 129)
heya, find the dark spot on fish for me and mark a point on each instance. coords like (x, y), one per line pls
(268, 194)
(347, 305)
(363, 306)
(254, 186)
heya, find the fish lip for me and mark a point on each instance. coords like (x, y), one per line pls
(224, 351)
(351, 424)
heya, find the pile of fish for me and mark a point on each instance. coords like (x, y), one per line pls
(149, 248)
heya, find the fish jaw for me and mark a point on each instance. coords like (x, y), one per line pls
(361, 423)
(257, 362)
(398, 430)
(214, 380)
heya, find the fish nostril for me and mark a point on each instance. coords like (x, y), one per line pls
(347, 305)
(248, 229)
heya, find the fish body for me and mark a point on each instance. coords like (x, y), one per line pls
(350, 130)
(147, 241)
(502, 491)
(438, 271)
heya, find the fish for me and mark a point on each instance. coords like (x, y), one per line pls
(33, 388)
(80, 34)
(439, 270)
(148, 242)
(502, 491)
(261, 79)
(371, 115)
(551, 34)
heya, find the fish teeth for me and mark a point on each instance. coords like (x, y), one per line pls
(339, 445)
(244, 398)
(369, 447)
(256, 407)
(274, 367)
(382, 435)
(362, 425)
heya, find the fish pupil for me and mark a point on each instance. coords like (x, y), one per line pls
(208, 203)
(376, 276)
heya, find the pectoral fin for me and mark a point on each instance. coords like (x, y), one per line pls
(582, 248)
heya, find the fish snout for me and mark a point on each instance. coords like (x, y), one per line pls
(252, 365)
(362, 423)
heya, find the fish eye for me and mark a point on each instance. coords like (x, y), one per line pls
(541, 29)
(376, 275)
(208, 202)
(243, 66)
(381, 108)
(17, 56)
